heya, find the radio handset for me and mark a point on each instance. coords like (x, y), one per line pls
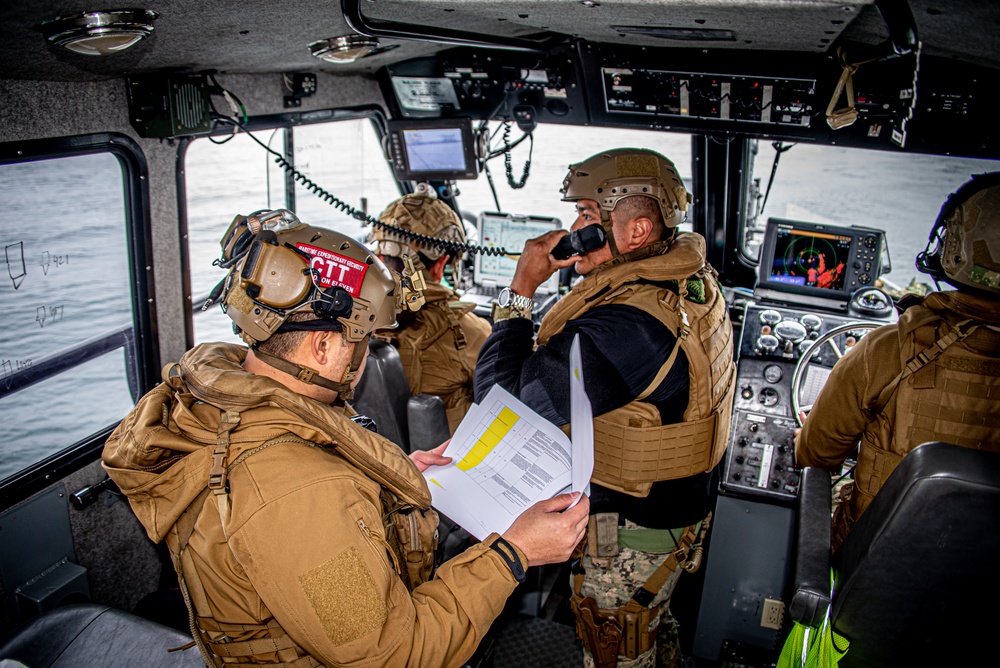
(582, 241)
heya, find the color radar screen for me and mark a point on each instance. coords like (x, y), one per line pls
(510, 233)
(811, 259)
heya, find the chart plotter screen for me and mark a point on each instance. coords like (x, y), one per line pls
(809, 258)
(800, 261)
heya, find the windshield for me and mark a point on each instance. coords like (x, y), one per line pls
(555, 148)
(898, 193)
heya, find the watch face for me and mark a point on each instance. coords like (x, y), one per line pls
(504, 298)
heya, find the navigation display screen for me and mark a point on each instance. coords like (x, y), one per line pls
(817, 263)
(808, 258)
(509, 231)
(434, 149)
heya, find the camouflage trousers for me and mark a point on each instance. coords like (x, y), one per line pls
(612, 587)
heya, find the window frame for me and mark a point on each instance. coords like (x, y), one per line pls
(142, 366)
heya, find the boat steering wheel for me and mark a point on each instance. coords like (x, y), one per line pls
(800, 368)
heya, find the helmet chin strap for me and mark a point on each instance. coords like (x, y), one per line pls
(607, 224)
(303, 373)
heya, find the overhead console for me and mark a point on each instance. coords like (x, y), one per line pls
(663, 94)
(787, 96)
(483, 83)
(764, 94)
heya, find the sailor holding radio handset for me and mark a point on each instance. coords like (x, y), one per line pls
(658, 362)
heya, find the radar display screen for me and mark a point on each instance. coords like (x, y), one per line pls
(809, 258)
(817, 263)
(434, 149)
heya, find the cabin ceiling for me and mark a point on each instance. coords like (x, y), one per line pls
(263, 36)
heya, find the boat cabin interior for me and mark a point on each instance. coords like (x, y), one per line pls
(131, 136)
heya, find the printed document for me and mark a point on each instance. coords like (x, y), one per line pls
(506, 457)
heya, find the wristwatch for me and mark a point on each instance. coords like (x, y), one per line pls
(507, 299)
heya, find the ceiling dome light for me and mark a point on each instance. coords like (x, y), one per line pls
(100, 33)
(347, 48)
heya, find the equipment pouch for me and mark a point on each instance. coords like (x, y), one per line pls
(413, 534)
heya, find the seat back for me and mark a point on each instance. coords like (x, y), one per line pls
(383, 392)
(96, 635)
(917, 580)
(413, 423)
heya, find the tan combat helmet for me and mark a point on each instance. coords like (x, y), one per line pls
(419, 223)
(967, 234)
(290, 267)
(609, 176)
(279, 266)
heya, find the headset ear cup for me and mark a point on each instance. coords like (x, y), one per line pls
(333, 303)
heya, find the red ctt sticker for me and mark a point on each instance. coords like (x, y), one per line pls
(333, 269)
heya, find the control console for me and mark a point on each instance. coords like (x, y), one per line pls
(775, 337)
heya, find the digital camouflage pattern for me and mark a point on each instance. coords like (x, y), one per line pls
(613, 587)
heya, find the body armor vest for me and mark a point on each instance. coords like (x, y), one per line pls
(949, 390)
(439, 322)
(632, 449)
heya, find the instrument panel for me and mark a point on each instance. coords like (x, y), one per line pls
(760, 460)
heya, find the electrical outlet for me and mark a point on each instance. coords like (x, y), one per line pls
(773, 614)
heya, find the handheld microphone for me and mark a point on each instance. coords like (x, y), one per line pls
(582, 241)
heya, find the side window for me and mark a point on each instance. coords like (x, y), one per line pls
(67, 335)
(223, 179)
(240, 176)
(346, 160)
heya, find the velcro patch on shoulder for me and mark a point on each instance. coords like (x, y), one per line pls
(345, 597)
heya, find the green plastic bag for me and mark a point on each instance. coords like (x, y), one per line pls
(807, 647)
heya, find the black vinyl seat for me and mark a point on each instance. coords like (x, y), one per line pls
(917, 580)
(383, 394)
(95, 635)
(417, 422)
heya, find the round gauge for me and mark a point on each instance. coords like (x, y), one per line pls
(811, 322)
(790, 330)
(770, 317)
(767, 343)
(772, 373)
(805, 346)
(768, 396)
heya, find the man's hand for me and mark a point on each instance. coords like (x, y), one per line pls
(547, 532)
(424, 459)
(536, 263)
